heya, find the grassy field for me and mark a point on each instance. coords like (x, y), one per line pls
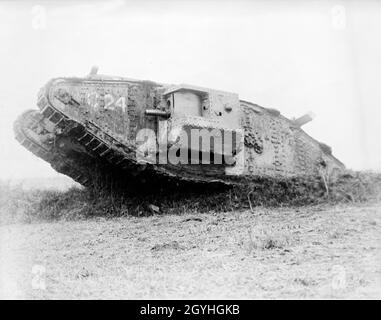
(311, 252)
(67, 245)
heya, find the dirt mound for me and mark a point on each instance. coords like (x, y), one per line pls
(18, 205)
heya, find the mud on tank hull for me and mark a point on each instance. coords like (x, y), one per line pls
(87, 128)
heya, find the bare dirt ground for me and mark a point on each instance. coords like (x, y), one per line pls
(311, 252)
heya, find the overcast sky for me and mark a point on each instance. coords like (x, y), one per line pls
(295, 56)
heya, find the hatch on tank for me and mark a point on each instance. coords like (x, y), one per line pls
(219, 106)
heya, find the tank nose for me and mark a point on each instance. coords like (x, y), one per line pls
(42, 98)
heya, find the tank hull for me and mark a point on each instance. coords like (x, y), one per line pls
(95, 124)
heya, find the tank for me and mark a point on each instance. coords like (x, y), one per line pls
(145, 133)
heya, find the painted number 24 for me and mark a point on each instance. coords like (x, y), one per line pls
(110, 102)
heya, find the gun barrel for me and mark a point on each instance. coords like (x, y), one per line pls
(301, 121)
(157, 113)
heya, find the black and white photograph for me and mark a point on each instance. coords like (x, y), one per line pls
(185, 150)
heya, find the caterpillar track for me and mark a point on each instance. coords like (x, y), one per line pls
(89, 128)
(31, 134)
